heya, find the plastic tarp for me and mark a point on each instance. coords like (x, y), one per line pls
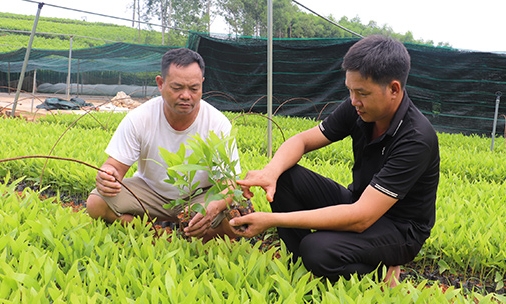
(55, 103)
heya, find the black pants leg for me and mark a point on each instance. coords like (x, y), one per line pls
(333, 254)
(301, 189)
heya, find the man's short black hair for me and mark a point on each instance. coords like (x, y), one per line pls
(381, 58)
(181, 57)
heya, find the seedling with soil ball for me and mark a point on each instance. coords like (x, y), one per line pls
(214, 156)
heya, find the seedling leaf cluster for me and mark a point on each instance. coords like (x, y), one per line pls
(50, 254)
(212, 155)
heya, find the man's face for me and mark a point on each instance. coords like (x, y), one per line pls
(181, 89)
(373, 102)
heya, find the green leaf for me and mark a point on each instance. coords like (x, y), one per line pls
(187, 167)
(198, 208)
(443, 266)
(498, 279)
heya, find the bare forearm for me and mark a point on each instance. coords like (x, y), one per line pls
(355, 217)
(338, 218)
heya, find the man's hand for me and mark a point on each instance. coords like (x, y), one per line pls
(106, 182)
(259, 178)
(200, 224)
(257, 222)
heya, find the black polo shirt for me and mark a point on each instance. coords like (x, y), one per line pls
(403, 163)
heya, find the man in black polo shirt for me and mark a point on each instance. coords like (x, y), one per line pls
(386, 214)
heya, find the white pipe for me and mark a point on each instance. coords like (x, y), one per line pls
(34, 88)
(69, 68)
(269, 78)
(497, 100)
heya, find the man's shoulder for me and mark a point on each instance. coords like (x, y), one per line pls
(153, 102)
(419, 120)
(147, 107)
(207, 106)
(209, 109)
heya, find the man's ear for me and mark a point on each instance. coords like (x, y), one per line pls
(159, 81)
(395, 87)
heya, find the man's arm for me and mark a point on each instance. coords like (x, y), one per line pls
(291, 151)
(355, 217)
(288, 154)
(106, 182)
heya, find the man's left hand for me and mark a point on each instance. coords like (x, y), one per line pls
(200, 224)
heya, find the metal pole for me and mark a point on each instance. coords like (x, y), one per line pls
(77, 76)
(497, 100)
(9, 77)
(34, 88)
(69, 68)
(25, 62)
(269, 78)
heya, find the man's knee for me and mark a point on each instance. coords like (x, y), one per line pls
(315, 256)
(324, 261)
(98, 208)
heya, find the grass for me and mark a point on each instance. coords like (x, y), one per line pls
(53, 254)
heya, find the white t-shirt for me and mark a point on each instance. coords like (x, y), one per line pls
(145, 129)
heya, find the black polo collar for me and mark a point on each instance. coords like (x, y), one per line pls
(396, 122)
(398, 118)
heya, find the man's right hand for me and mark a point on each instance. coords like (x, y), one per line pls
(106, 182)
(255, 223)
(258, 178)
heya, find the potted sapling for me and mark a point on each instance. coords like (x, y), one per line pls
(181, 172)
(213, 155)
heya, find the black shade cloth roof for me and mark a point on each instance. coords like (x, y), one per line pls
(121, 57)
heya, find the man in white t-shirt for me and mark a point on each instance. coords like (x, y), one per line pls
(165, 121)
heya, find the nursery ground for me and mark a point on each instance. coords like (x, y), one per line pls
(413, 271)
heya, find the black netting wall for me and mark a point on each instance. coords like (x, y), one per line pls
(307, 76)
(455, 89)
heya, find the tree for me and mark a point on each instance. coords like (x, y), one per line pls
(245, 17)
(283, 12)
(178, 17)
(249, 18)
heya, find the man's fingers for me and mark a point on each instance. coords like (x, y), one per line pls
(198, 225)
(200, 232)
(245, 183)
(239, 221)
(106, 176)
(235, 222)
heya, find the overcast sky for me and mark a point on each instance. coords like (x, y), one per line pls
(469, 25)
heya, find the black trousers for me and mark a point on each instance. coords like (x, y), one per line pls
(333, 254)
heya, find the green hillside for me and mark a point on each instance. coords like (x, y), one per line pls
(54, 33)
